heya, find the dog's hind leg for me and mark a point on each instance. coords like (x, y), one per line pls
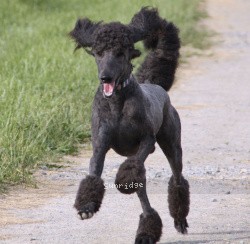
(91, 189)
(150, 224)
(169, 139)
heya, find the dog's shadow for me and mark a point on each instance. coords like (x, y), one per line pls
(245, 237)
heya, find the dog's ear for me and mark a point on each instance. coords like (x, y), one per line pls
(144, 23)
(83, 33)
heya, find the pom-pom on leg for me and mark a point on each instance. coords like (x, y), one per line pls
(130, 176)
(89, 196)
(178, 200)
(150, 228)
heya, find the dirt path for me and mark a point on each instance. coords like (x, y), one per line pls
(212, 97)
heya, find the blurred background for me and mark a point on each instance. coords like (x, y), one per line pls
(46, 90)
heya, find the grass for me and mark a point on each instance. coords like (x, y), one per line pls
(46, 91)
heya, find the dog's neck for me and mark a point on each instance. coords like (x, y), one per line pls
(116, 102)
(124, 83)
(123, 90)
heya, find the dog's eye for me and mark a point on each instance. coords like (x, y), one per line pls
(119, 54)
(98, 54)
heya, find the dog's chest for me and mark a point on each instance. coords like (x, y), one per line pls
(126, 140)
(128, 127)
(127, 134)
(127, 124)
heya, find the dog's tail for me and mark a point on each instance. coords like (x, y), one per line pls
(162, 39)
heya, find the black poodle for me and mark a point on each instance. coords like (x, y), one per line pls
(131, 113)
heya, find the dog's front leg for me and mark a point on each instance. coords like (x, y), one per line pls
(131, 173)
(131, 177)
(146, 147)
(91, 190)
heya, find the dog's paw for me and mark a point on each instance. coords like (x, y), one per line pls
(144, 239)
(181, 226)
(130, 176)
(89, 196)
(149, 229)
(87, 211)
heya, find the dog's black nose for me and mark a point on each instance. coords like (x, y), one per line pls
(106, 78)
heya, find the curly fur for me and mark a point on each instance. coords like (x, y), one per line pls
(82, 33)
(91, 189)
(150, 227)
(130, 173)
(178, 199)
(158, 35)
(115, 36)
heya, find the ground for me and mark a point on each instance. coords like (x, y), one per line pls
(212, 97)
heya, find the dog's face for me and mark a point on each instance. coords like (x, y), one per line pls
(112, 45)
(113, 49)
(114, 67)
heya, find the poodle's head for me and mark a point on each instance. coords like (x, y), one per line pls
(112, 45)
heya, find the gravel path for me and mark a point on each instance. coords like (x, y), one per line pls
(212, 96)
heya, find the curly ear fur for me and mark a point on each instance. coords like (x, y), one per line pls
(83, 33)
(144, 23)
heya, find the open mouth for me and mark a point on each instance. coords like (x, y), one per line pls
(108, 89)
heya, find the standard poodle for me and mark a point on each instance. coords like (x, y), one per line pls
(131, 113)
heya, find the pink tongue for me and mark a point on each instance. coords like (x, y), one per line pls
(108, 88)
